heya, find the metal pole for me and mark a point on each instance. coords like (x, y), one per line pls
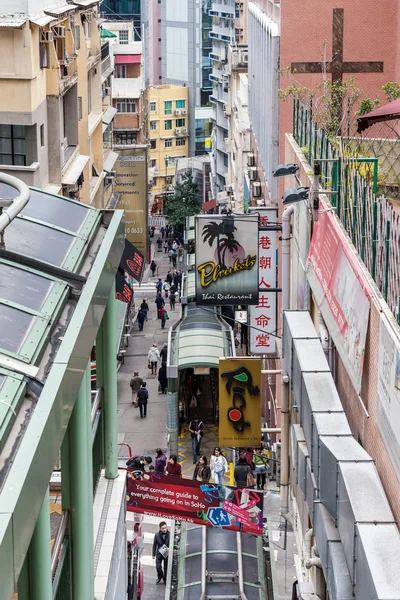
(40, 555)
(387, 248)
(55, 551)
(363, 222)
(203, 562)
(110, 388)
(374, 240)
(240, 565)
(82, 494)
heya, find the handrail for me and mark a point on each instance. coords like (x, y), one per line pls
(95, 405)
(55, 551)
(203, 562)
(240, 565)
(18, 203)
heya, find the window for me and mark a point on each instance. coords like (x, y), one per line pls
(12, 145)
(168, 143)
(126, 105)
(168, 107)
(180, 103)
(153, 162)
(42, 136)
(180, 122)
(168, 124)
(153, 106)
(124, 36)
(168, 180)
(153, 144)
(180, 141)
(153, 125)
(125, 137)
(120, 72)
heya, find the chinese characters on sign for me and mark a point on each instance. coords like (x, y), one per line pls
(263, 315)
(239, 402)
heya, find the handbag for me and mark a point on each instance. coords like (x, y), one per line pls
(136, 404)
(250, 480)
(149, 366)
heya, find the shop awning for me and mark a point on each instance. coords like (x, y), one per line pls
(105, 34)
(201, 347)
(128, 59)
(109, 163)
(388, 112)
(73, 172)
(109, 115)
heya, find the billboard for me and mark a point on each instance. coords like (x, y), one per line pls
(239, 402)
(341, 292)
(131, 183)
(263, 315)
(132, 261)
(226, 260)
(189, 500)
(122, 290)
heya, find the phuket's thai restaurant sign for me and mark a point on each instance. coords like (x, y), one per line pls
(227, 260)
(239, 402)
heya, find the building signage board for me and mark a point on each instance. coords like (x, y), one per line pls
(241, 316)
(188, 500)
(122, 290)
(239, 402)
(132, 261)
(131, 183)
(341, 291)
(263, 315)
(388, 409)
(226, 260)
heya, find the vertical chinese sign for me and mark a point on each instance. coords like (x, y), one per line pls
(263, 315)
(239, 402)
(131, 183)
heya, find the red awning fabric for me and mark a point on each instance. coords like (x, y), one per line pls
(388, 112)
(128, 59)
(209, 205)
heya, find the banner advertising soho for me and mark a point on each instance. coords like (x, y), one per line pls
(239, 402)
(263, 315)
(226, 260)
(341, 293)
(131, 183)
(188, 500)
(388, 410)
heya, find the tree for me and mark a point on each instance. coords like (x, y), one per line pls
(185, 201)
(226, 243)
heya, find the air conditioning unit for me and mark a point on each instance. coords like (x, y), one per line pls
(244, 58)
(178, 112)
(184, 112)
(108, 180)
(250, 160)
(256, 189)
(59, 31)
(178, 131)
(260, 202)
(229, 188)
(252, 173)
(170, 188)
(107, 91)
(184, 129)
(46, 37)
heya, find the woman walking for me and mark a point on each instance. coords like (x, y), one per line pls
(218, 465)
(153, 267)
(163, 315)
(261, 464)
(202, 471)
(154, 358)
(242, 472)
(173, 467)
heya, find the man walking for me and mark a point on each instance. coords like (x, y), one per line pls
(164, 353)
(135, 384)
(143, 398)
(159, 303)
(160, 551)
(196, 429)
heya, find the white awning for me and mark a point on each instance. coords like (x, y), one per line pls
(41, 19)
(12, 20)
(109, 115)
(61, 10)
(109, 163)
(106, 74)
(75, 169)
(86, 3)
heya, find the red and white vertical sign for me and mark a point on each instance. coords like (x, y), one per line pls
(263, 315)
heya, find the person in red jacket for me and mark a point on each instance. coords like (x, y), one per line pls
(163, 315)
(173, 467)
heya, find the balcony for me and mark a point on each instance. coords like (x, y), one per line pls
(128, 88)
(69, 73)
(67, 154)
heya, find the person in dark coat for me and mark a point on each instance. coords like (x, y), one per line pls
(241, 471)
(164, 353)
(169, 277)
(173, 467)
(162, 378)
(143, 398)
(145, 307)
(160, 462)
(161, 538)
(202, 471)
(153, 267)
(159, 303)
(141, 319)
(138, 463)
(135, 384)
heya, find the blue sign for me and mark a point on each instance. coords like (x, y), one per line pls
(218, 517)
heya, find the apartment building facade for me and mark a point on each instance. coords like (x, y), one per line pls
(124, 12)
(51, 109)
(168, 136)
(151, 18)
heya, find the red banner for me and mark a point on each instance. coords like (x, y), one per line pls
(188, 500)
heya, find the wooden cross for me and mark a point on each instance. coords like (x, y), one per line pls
(337, 67)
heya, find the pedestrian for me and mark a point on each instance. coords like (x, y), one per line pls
(261, 463)
(164, 353)
(166, 288)
(174, 257)
(165, 246)
(160, 551)
(176, 280)
(159, 285)
(162, 231)
(160, 462)
(163, 315)
(196, 429)
(180, 253)
(135, 384)
(218, 465)
(153, 267)
(159, 303)
(174, 245)
(143, 398)
(145, 308)
(172, 298)
(162, 379)
(138, 463)
(141, 319)
(159, 244)
(153, 229)
(242, 473)
(202, 471)
(154, 358)
(173, 467)
(170, 253)
(169, 277)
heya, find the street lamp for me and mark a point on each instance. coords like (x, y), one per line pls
(283, 170)
(295, 195)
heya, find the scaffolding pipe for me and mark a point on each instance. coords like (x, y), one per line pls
(270, 430)
(240, 565)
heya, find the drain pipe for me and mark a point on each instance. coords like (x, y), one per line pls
(15, 205)
(285, 414)
(307, 544)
